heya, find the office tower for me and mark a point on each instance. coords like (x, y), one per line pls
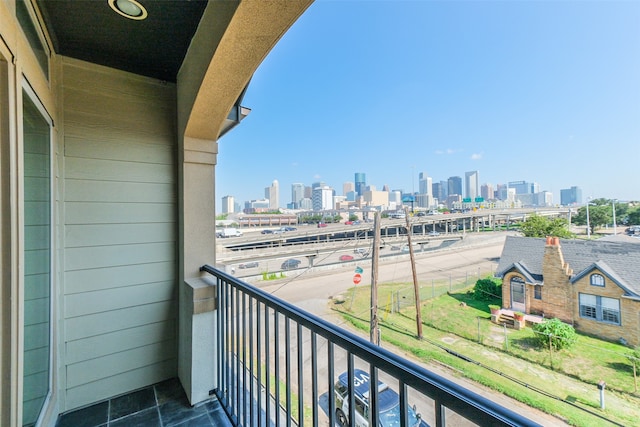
(348, 187)
(297, 194)
(486, 191)
(273, 194)
(524, 187)
(425, 191)
(472, 185)
(454, 185)
(322, 198)
(228, 204)
(360, 182)
(571, 196)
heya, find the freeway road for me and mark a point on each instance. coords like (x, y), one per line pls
(311, 291)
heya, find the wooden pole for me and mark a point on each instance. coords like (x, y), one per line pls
(416, 289)
(374, 336)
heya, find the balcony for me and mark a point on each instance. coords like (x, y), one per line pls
(277, 365)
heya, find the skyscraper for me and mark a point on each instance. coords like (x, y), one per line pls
(322, 198)
(273, 194)
(425, 195)
(571, 196)
(472, 184)
(360, 182)
(454, 185)
(227, 204)
(347, 187)
(486, 191)
(297, 194)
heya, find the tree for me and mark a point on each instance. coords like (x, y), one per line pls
(599, 215)
(555, 334)
(633, 216)
(353, 217)
(540, 226)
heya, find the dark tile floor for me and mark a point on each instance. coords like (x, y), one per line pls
(160, 405)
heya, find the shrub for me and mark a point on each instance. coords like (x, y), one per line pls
(634, 357)
(555, 332)
(487, 290)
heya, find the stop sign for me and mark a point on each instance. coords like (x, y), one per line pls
(357, 278)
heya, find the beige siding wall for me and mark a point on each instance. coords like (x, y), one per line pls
(119, 259)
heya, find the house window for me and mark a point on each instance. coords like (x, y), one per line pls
(597, 280)
(601, 309)
(537, 292)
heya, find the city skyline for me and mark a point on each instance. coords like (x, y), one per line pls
(455, 185)
(534, 91)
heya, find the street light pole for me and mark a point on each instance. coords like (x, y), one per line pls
(588, 225)
(613, 204)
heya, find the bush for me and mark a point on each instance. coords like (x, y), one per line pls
(487, 290)
(634, 357)
(555, 332)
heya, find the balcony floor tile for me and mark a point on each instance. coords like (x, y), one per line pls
(161, 405)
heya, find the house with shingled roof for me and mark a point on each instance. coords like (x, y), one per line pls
(593, 285)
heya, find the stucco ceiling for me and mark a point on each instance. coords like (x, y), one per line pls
(155, 47)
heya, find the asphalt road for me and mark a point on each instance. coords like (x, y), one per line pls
(312, 289)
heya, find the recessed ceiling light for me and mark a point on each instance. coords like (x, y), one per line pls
(129, 9)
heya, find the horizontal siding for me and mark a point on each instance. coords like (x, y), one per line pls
(125, 380)
(115, 277)
(77, 236)
(113, 364)
(118, 298)
(118, 255)
(80, 213)
(120, 293)
(118, 341)
(103, 323)
(119, 192)
(116, 149)
(111, 170)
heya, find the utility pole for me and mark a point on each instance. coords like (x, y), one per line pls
(374, 335)
(416, 289)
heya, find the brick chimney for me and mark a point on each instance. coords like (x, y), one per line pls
(557, 290)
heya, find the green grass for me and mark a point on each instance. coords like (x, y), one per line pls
(460, 317)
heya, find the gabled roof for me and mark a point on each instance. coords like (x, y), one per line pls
(620, 261)
(522, 268)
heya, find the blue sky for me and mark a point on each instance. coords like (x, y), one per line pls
(541, 91)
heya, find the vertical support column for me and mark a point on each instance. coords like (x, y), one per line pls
(196, 344)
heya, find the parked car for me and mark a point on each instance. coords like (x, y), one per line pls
(290, 264)
(434, 233)
(395, 248)
(388, 403)
(250, 264)
(361, 251)
(346, 258)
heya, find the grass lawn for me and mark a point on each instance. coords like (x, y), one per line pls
(460, 323)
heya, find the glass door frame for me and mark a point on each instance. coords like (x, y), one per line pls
(27, 91)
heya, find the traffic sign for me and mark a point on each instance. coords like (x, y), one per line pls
(357, 278)
(359, 270)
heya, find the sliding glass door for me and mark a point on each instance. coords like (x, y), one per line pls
(37, 261)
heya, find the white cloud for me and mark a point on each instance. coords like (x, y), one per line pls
(476, 156)
(448, 151)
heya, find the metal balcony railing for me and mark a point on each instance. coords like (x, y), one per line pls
(278, 365)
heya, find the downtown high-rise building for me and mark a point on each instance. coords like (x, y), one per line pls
(571, 196)
(471, 185)
(228, 205)
(486, 191)
(454, 184)
(273, 194)
(297, 194)
(425, 191)
(348, 187)
(360, 183)
(322, 198)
